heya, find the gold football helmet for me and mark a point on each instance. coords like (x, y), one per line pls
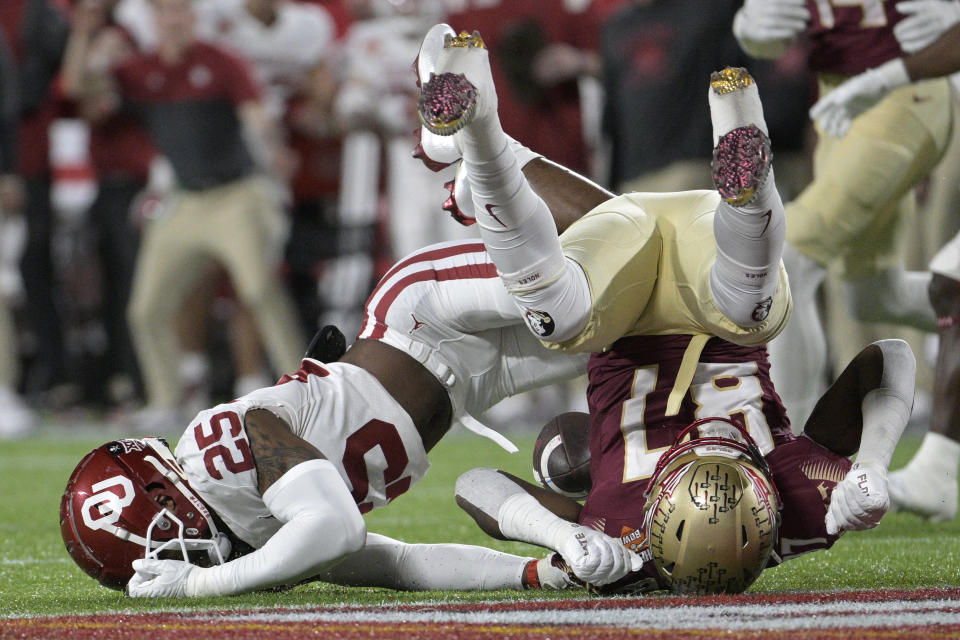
(712, 510)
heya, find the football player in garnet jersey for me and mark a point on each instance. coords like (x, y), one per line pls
(928, 484)
(851, 215)
(708, 503)
(676, 295)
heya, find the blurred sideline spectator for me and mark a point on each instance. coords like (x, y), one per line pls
(16, 419)
(121, 153)
(35, 34)
(655, 54)
(284, 42)
(204, 112)
(381, 187)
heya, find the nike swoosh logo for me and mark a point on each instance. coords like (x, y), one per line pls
(769, 216)
(493, 215)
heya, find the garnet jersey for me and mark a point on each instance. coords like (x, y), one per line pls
(851, 37)
(338, 408)
(629, 392)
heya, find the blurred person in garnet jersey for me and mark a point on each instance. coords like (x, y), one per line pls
(121, 152)
(34, 33)
(204, 112)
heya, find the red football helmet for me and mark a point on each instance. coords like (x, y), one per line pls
(129, 499)
(712, 510)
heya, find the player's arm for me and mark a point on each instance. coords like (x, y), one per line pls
(766, 28)
(508, 508)
(835, 111)
(302, 490)
(865, 411)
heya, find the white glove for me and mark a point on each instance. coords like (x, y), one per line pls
(778, 22)
(835, 111)
(160, 579)
(597, 558)
(925, 21)
(859, 500)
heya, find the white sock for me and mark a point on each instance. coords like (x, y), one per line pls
(524, 519)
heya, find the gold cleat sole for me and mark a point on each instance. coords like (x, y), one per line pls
(729, 80)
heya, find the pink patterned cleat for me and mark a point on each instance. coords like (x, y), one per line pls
(741, 155)
(447, 103)
(449, 99)
(741, 164)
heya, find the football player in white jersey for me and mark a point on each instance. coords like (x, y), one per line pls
(288, 465)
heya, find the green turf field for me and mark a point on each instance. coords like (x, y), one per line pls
(37, 576)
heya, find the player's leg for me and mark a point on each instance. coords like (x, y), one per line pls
(249, 254)
(509, 508)
(928, 484)
(388, 563)
(515, 223)
(167, 265)
(567, 194)
(865, 411)
(798, 355)
(749, 225)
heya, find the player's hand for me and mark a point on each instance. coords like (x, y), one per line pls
(835, 111)
(771, 20)
(159, 578)
(925, 21)
(597, 558)
(859, 500)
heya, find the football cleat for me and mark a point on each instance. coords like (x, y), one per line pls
(460, 89)
(742, 155)
(436, 152)
(551, 572)
(447, 104)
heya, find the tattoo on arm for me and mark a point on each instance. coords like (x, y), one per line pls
(275, 448)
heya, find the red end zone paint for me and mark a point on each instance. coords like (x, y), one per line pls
(923, 613)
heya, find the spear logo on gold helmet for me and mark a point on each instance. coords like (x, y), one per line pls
(712, 510)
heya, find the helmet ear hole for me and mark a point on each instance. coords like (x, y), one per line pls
(743, 532)
(680, 530)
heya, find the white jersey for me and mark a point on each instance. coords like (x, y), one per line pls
(447, 308)
(282, 53)
(340, 409)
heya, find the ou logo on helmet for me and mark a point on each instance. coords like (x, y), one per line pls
(107, 502)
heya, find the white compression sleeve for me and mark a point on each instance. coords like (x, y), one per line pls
(520, 235)
(886, 409)
(388, 563)
(749, 245)
(321, 525)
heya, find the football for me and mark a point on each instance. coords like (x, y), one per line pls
(561, 455)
